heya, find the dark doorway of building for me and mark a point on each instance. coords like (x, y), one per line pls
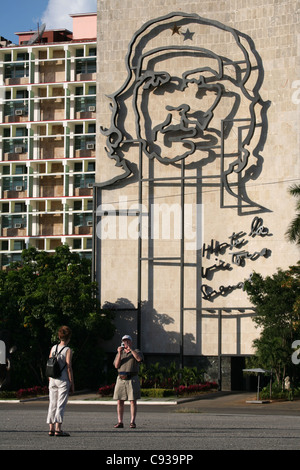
(237, 377)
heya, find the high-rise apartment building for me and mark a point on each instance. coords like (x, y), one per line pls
(48, 139)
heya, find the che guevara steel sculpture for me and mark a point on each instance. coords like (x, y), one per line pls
(226, 74)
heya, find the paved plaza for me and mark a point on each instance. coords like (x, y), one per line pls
(223, 422)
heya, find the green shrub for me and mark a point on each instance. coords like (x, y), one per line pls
(7, 395)
(156, 392)
(278, 393)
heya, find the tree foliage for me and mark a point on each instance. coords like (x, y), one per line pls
(37, 296)
(293, 232)
(277, 302)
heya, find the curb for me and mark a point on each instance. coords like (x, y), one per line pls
(114, 402)
(152, 401)
(148, 401)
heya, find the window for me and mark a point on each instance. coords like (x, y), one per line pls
(79, 129)
(92, 51)
(15, 221)
(22, 56)
(14, 184)
(85, 104)
(86, 66)
(16, 70)
(20, 207)
(15, 146)
(19, 245)
(78, 167)
(92, 128)
(77, 244)
(82, 220)
(92, 90)
(77, 205)
(20, 170)
(91, 166)
(4, 245)
(83, 181)
(21, 131)
(79, 52)
(79, 90)
(21, 94)
(15, 108)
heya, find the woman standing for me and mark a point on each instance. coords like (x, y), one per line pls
(59, 389)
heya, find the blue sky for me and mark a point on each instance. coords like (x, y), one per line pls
(24, 15)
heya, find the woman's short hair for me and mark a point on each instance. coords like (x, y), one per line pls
(64, 333)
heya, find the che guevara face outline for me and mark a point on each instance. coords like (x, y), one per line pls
(245, 78)
(193, 94)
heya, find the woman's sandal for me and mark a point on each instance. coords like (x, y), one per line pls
(61, 434)
(119, 425)
(132, 425)
(51, 433)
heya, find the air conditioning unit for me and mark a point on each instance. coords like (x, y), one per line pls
(18, 225)
(19, 188)
(90, 146)
(90, 185)
(19, 112)
(89, 223)
(92, 108)
(18, 149)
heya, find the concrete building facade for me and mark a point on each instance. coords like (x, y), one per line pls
(48, 139)
(198, 144)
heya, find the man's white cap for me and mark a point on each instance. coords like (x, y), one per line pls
(127, 337)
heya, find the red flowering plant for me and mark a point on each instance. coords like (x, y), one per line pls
(195, 389)
(106, 390)
(32, 392)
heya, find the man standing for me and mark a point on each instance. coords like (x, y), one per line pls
(128, 386)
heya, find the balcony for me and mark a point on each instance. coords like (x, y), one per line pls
(83, 224)
(13, 226)
(15, 112)
(52, 71)
(86, 69)
(88, 191)
(83, 230)
(85, 147)
(52, 109)
(16, 73)
(15, 194)
(14, 232)
(15, 149)
(85, 107)
(51, 186)
(14, 187)
(51, 224)
(83, 184)
(52, 147)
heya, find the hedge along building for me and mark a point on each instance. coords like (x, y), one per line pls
(198, 140)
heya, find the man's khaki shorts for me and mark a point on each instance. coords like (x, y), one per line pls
(127, 389)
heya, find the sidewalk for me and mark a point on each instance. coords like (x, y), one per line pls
(94, 398)
(216, 402)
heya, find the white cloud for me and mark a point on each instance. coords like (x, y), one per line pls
(57, 12)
